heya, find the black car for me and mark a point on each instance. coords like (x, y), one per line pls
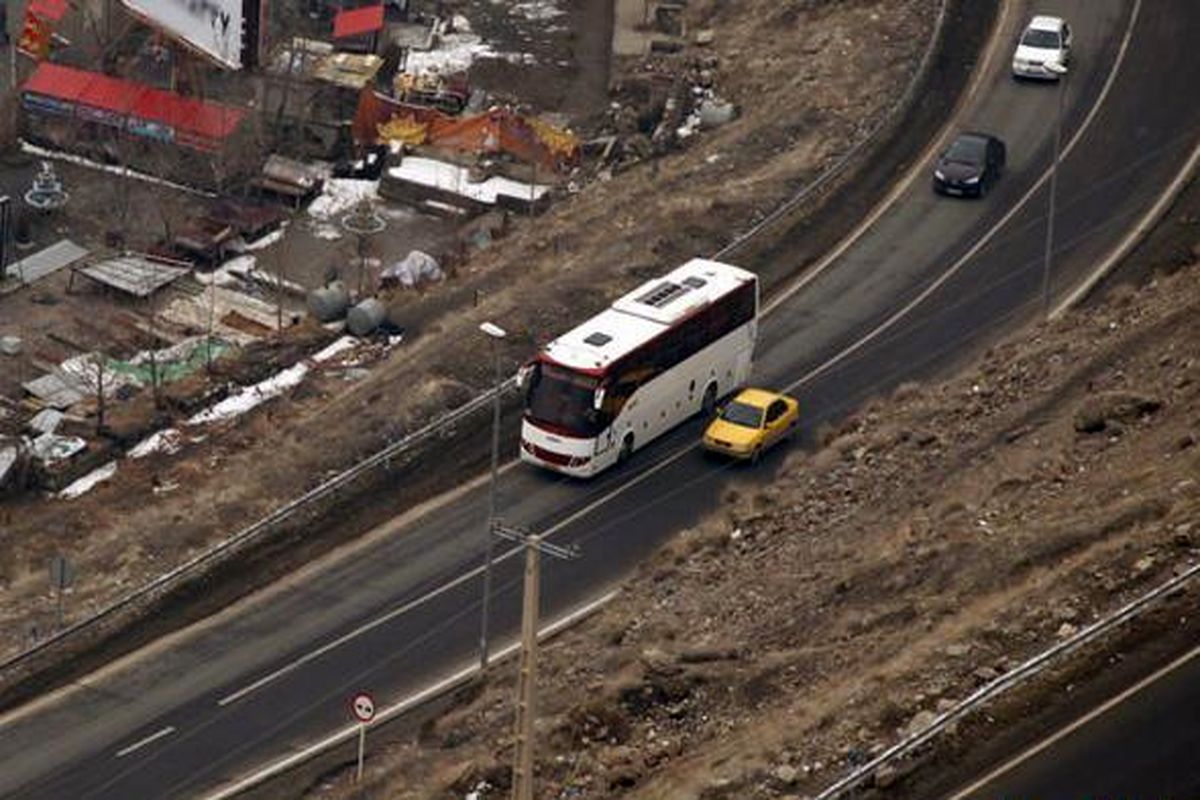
(969, 166)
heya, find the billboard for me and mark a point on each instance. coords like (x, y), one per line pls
(213, 27)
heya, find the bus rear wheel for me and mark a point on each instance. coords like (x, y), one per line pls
(626, 449)
(709, 404)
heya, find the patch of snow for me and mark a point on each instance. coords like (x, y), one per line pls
(537, 10)
(452, 178)
(168, 440)
(339, 345)
(273, 281)
(8, 457)
(224, 274)
(261, 242)
(340, 195)
(520, 59)
(330, 233)
(250, 397)
(454, 53)
(85, 484)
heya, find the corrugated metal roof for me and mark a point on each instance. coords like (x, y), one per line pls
(46, 261)
(134, 274)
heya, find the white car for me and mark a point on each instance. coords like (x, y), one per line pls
(1046, 40)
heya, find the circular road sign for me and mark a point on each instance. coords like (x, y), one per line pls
(363, 707)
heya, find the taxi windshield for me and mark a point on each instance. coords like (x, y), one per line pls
(743, 414)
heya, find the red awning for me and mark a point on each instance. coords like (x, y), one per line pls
(187, 115)
(52, 10)
(55, 80)
(357, 21)
(110, 94)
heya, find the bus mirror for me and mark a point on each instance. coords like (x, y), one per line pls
(523, 376)
(598, 399)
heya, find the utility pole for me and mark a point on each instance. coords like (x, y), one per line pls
(527, 676)
(495, 334)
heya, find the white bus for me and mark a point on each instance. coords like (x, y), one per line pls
(658, 355)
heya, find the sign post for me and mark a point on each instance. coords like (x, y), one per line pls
(363, 708)
(62, 575)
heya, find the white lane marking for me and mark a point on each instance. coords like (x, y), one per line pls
(983, 241)
(772, 306)
(1049, 741)
(1134, 237)
(412, 701)
(433, 593)
(140, 743)
(361, 629)
(919, 167)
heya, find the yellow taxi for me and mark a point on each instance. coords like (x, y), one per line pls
(751, 422)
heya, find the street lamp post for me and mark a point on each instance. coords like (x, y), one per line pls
(1059, 69)
(495, 333)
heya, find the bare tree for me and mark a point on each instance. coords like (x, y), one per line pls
(281, 271)
(99, 361)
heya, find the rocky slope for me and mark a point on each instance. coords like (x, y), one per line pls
(929, 544)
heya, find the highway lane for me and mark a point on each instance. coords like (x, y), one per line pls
(69, 747)
(1143, 743)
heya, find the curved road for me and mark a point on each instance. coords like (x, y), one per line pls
(1142, 743)
(928, 282)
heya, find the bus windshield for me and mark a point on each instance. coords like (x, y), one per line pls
(561, 398)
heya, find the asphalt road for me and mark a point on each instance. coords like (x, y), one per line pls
(400, 609)
(1145, 745)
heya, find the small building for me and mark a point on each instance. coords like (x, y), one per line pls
(119, 121)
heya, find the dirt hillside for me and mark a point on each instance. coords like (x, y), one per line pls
(804, 100)
(932, 542)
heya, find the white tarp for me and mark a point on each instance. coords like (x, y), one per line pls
(417, 267)
(214, 27)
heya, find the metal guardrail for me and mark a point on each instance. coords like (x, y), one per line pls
(259, 528)
(281, 514)
(1016, 677)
